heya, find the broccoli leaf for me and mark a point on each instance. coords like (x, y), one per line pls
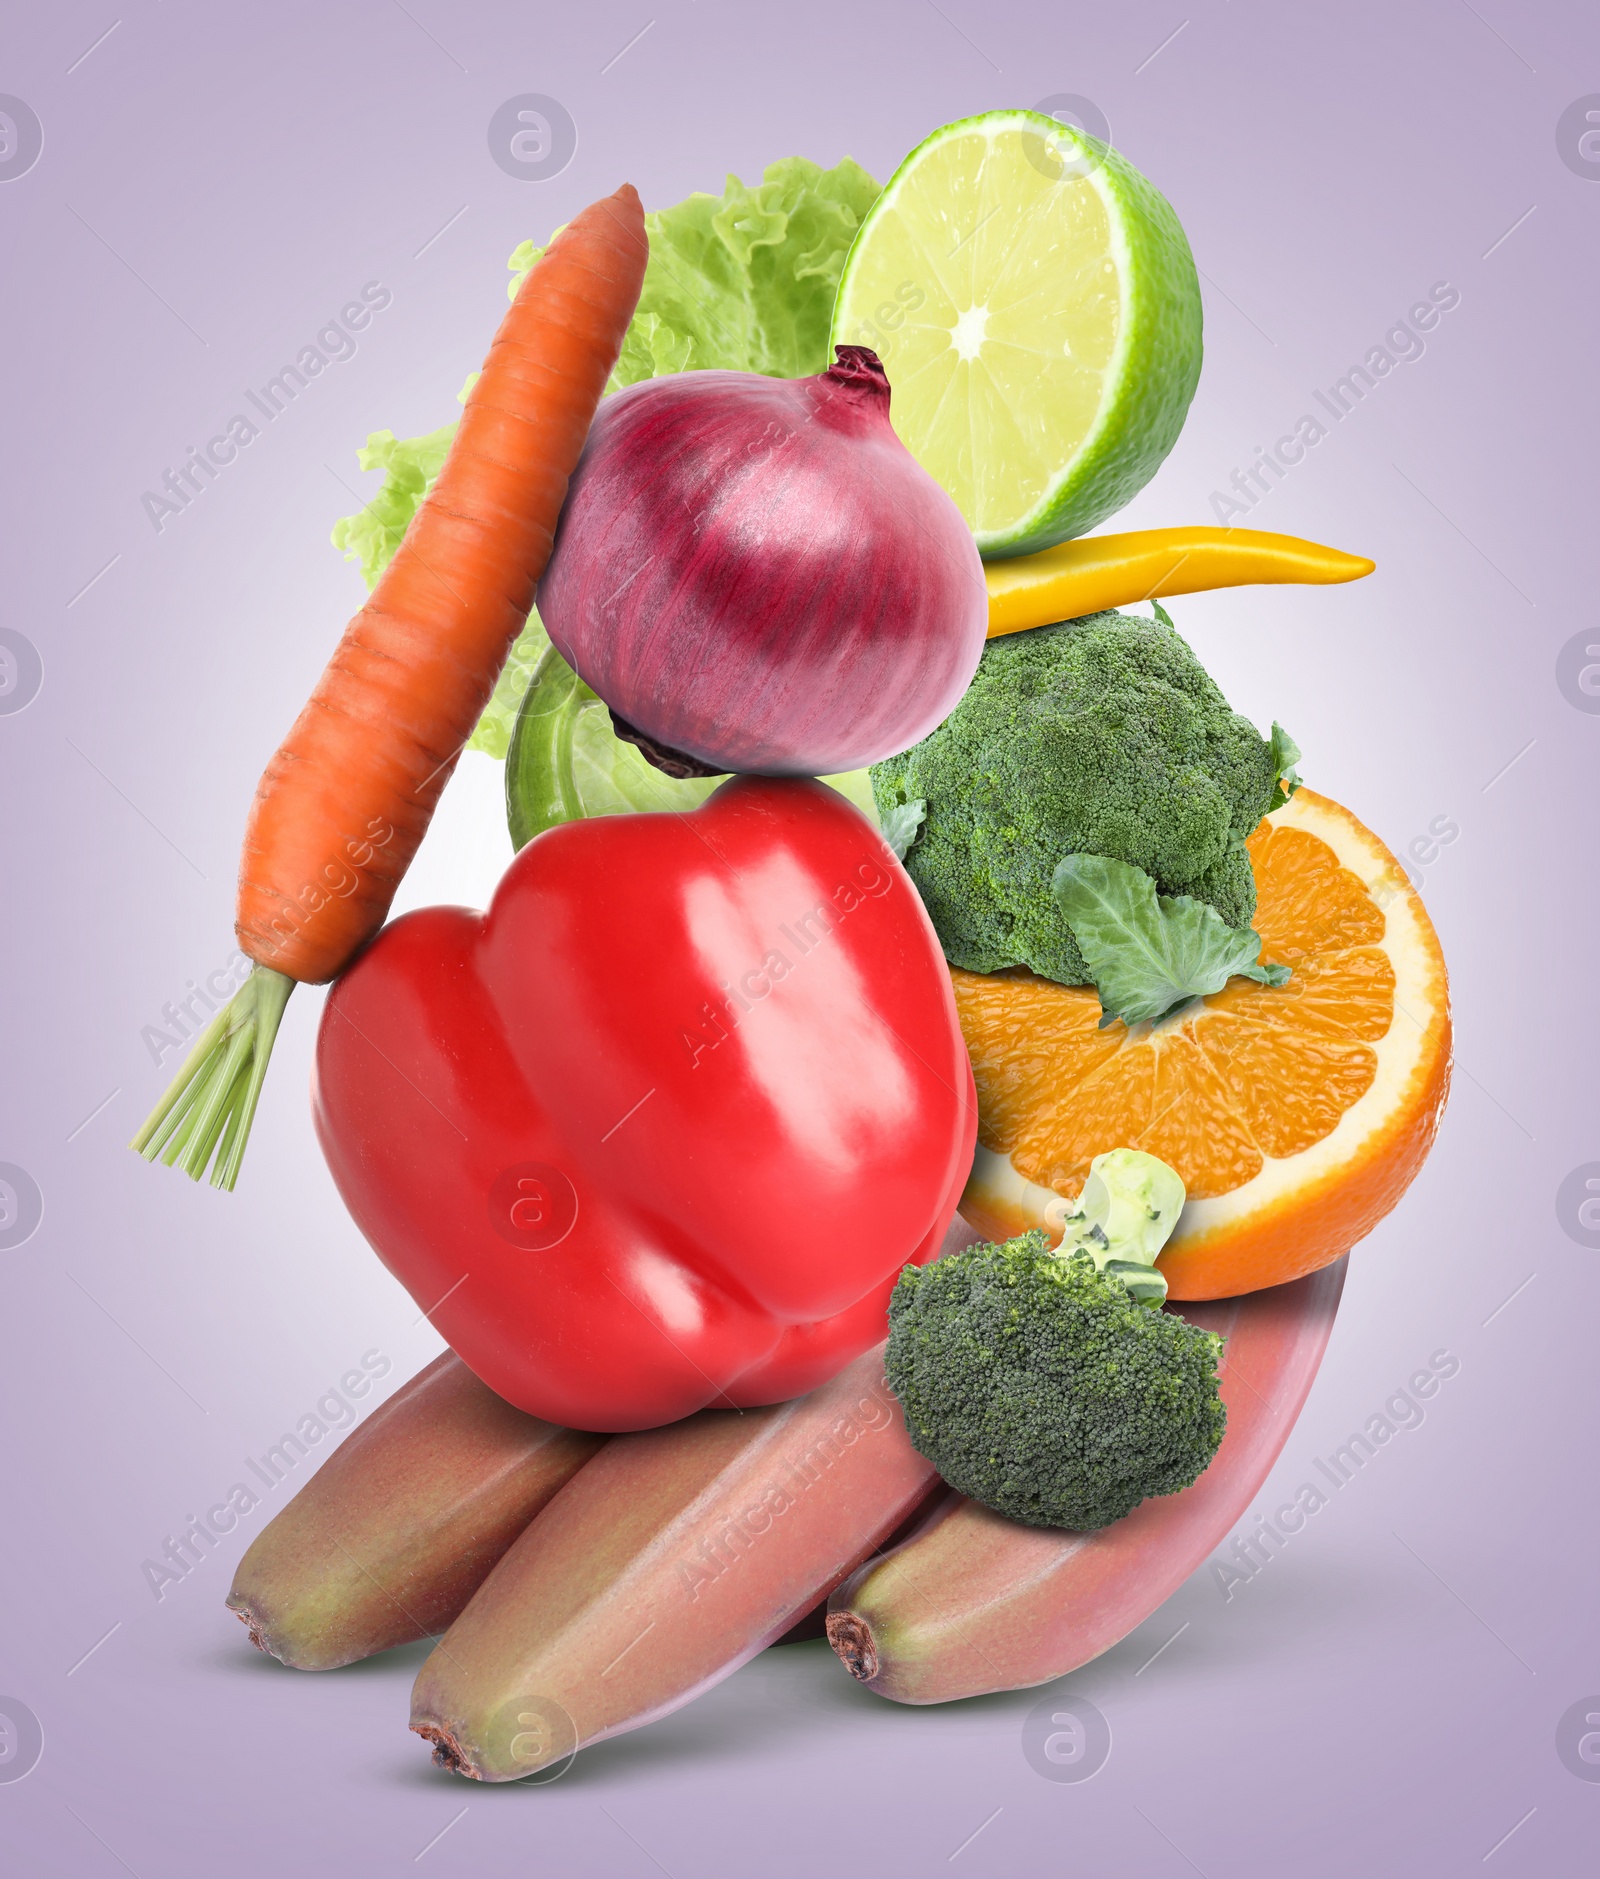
(901, 823)
(1285, 755)
(1150, 952)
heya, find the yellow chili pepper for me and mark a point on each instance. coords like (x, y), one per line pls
(1102, 571)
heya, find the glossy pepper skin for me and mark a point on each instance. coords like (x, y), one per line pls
(1099, 573)
(659, 1130)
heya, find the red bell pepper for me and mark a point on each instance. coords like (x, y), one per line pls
(660, 1129)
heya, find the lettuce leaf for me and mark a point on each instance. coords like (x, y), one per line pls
(744, 281)
(564, 763)
(1150, 952)
(740, 282)
(372, 534)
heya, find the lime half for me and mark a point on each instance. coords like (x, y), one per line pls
(1035, 303)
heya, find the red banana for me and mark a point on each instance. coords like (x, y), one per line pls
(670, 1560)
(400, 1526)
(974, 1602)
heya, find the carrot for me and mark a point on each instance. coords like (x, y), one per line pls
(348, 795)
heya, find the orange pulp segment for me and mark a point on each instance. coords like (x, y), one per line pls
(1296, 1115)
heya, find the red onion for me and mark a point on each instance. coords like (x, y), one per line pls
(755, 574)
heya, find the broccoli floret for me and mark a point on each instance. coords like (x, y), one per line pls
(1036, 1384)
(1100, 736)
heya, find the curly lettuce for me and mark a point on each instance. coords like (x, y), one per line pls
(739, 282)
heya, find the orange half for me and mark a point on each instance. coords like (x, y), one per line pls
(1297, 1115)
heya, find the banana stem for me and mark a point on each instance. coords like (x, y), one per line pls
(210, 1104)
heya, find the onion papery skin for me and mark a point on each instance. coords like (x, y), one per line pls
(757, 573)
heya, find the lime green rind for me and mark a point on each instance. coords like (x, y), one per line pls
(1162, 345)
(1155, 366)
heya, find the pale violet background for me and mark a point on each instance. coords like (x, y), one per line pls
(215, 183)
